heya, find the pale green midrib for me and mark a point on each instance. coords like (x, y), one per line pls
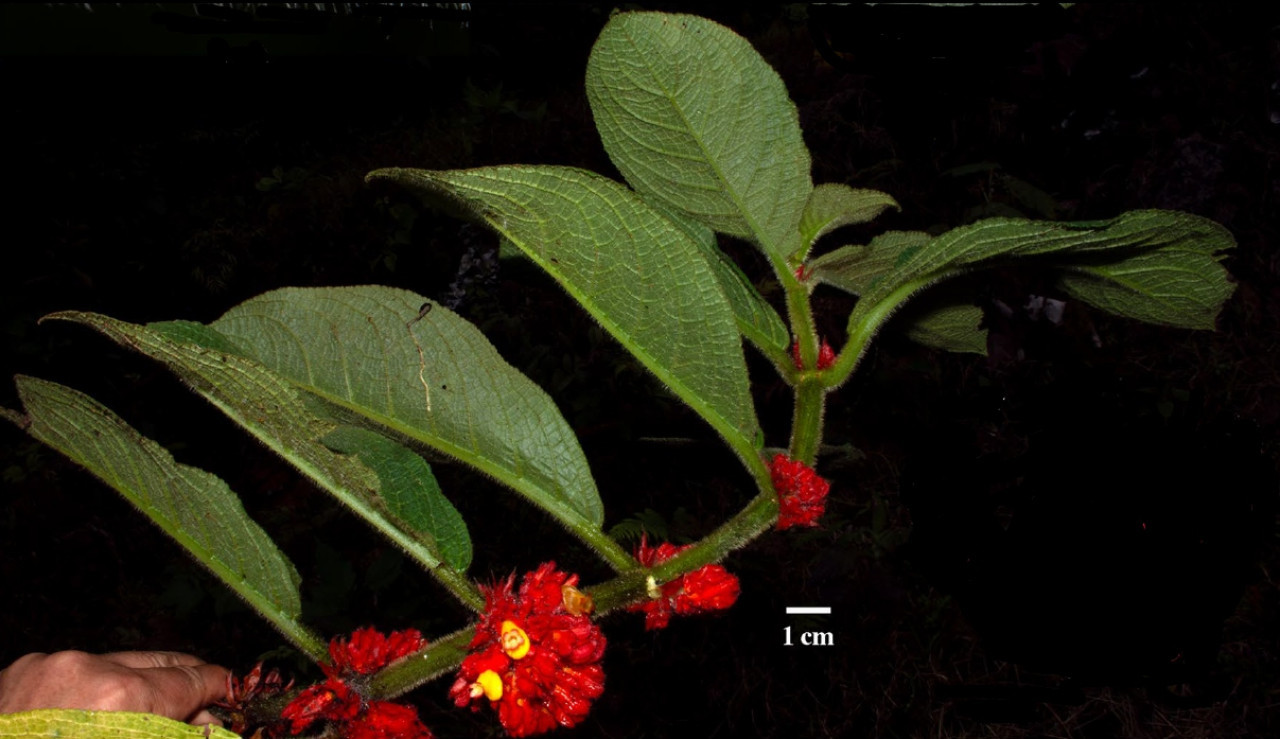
(524, 485)
(765, 242)
(284, 621)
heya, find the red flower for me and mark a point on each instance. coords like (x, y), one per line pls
(384, 720)
(708, 588)
(369, 651)
(802, 495)
(336, 699)
(536, 662)
(331, 700)
(826, 355)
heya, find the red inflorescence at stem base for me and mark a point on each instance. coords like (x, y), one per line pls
(708, 588)
(802, 495)
(826, 355)
(340, 701)
(533, 659)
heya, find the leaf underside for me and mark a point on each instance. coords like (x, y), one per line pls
(693, 117)
(641, 276)
(194, 507)
(430, 378)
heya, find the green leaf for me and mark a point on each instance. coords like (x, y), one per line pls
(953, 328)
(757, 320)
(431, 378)
(410, 491)
(855, 269)
(272, 409)
(633, 270)
(1181, 285)
(831, 206)
(194, 507)
(1160, 266)
(693, 117)
(57, 722)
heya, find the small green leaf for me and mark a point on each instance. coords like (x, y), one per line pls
(58, 722)
(832, 205)
(410, 491)
(194, 507)
(953, 328)
(855, 269)
(693, 117)
(638, 274)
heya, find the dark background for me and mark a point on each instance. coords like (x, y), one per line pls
(1073, 536)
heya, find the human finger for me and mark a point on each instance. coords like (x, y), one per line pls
(144, 660)
(180, 691)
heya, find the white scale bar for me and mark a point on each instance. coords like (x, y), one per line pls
(808, 609)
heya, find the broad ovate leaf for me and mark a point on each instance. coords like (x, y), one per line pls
(693, 117)
(642, 277)
(71, 723)
(392, 360)
(194, 507)
(831, 206)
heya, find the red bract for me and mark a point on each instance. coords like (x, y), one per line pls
(338, 700)
(826, 355)
(802, 495)
(708, 588)
(536, 662)
(383, 720)
(331, 700)
(369, 651)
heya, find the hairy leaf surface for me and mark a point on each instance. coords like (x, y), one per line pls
(1159, 266)
(410, 491)
(833, 205)
(693, 117)
(194, 507)
(273, 410)
(641, 276)
(430, 377)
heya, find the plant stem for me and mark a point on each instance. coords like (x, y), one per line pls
(863, 326)
(754, 519)
(439, 657)
(806, 425)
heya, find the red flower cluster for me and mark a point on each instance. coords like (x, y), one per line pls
(339, 697)
(535, 660)
(826, 355)
(708, 588)
(802, 495)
